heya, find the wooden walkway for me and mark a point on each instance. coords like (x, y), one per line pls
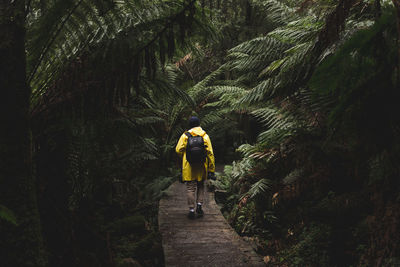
(206, 241)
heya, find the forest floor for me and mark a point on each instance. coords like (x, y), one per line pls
(205, 241)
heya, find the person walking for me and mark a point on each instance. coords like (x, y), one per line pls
(198, 164)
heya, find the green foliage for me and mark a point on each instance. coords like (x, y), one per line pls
(107, 99)
(305, 92)
(322, 84)
(129, 225)
(262, 186)
(7, 215)
(244, 219)
(142, 249)
(293, 176)
(359, 56)
(392, 262)
(155, 190)
(381, 168)
(312, 248)
(133, 37)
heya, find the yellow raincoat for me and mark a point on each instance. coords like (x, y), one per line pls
(196, 173)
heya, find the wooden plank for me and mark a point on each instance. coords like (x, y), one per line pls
(205, 241)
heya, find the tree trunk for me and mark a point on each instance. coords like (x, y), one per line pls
(396, 4)
(19, 245)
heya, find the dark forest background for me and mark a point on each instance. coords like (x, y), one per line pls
(300, 99)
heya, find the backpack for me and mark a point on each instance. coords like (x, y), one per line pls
(195, 149)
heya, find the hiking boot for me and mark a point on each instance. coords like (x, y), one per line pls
(199, 211)
(191, 214)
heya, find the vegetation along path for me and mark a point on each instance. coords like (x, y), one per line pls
(206, 241)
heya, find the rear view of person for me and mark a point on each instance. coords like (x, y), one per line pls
(198, 163)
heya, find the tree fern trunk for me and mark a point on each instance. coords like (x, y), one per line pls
(396, 3)
(19, 245)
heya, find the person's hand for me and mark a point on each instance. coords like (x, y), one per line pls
(211, 176)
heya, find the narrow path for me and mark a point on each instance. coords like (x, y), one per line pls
(206, 241)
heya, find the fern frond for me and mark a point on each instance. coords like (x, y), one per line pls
(266, 45)
(126, 31)
(262, 186)
(7, 215)
(155, 190)
(293, 176)
(260, 92)
(202, 89)
(277, 11)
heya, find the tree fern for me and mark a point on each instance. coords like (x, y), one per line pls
(356, 56)
(128, 30)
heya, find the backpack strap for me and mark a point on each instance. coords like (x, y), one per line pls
(188, 134)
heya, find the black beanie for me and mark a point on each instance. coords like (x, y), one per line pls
(194, 122)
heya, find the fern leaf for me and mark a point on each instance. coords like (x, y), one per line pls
(7, 215)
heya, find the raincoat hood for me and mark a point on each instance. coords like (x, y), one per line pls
(197, 131)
